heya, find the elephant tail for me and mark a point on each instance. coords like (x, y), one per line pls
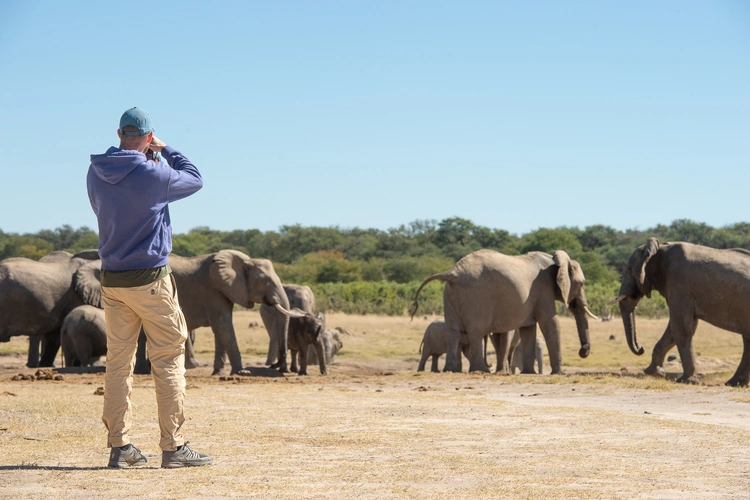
(440, 276)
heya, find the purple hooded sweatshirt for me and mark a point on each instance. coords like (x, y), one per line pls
(130, 196)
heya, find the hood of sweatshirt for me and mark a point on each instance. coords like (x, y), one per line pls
(114, 165)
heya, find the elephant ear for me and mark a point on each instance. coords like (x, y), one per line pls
(229, 275)
(562, 260)
(649, 250)
(87, 282)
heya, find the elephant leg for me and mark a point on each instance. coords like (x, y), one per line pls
(423, 360)
(501, 342)
(528, 347)
(662, 347)
(35, 342)
(742, 376)
(302, 362)
(683, 332)
(142, 363)
(476, 354)
(224, 331)
(539, 357)
(551, 332)
(452, 338)
(51, 345)
(190, 361)
(516, 359)
(220, 356)
(435, 358)
(294, 367)
(268, 316)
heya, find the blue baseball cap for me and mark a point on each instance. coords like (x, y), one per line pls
(136, 117)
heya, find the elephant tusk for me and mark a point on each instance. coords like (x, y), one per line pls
(291, 314)
(618, 299)
(589, 313)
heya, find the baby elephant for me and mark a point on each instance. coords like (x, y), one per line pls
(84, 336)
(303, 332)
(332, 344)
(434, 343)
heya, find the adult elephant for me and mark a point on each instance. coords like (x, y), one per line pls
(36, 296)
(487, 292)
(300, 297)
(210, 285)
(698, 283)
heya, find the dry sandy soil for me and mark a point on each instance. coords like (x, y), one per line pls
(375, 428)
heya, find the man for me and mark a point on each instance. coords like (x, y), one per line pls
(130, 191)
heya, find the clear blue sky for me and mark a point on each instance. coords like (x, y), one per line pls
(516, 115)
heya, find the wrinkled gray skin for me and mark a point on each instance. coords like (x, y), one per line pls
(35, 297)
(698, 283)
(332, 344)
(488, 292)
(303, 332)
(84, 336)
(515, 356)
(210, 285)
(300, 297)
(435, 344)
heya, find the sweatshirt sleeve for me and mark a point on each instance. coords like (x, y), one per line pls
(185, 179)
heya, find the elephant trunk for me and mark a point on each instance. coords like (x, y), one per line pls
(627, 311)
(582, 324)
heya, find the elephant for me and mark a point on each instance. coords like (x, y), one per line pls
(515, 356)
(487, 292)
(210, 285)
(306, 330)
(698, 283)
(435, 344)
(36, 296)
(332, 344)
(84, 336)
(300, 297)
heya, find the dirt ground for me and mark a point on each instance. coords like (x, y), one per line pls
(375, 428)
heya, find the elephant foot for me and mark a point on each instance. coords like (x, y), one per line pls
(655, 370)
(524, 372)
(559, 371)
(191, 363)
(218, 372)
(736, 382)
(688, 380)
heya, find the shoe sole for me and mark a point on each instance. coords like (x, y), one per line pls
(125, 465)
(181, 465)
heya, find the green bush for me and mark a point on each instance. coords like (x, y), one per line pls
(384, 297)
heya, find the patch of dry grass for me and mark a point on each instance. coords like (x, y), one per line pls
(370, 437)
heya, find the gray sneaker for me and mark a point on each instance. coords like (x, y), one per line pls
(128, 457)
(183, 457)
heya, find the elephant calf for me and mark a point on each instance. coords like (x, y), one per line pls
(435, 344)
(305, 331)
(84, 336)
(332, 344)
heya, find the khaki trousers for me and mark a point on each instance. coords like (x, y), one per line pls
(157, 309)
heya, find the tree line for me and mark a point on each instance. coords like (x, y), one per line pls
(339, 262)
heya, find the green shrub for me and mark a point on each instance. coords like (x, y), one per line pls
(384, 297)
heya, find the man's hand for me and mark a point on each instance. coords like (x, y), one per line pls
(156, 145)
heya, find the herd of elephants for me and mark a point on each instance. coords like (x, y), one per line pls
(56, 301)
